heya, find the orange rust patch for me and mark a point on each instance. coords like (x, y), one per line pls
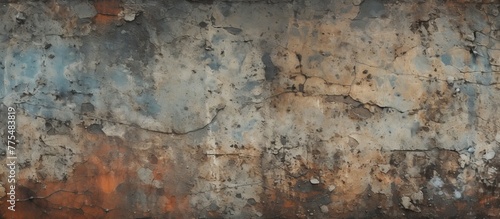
(488, 200)
(171, 204)
(104, 19)
(107, 11)
(104, 185)
(175, 205)
(108, 182)
(289, 204)
(88, 191)
(107, 7)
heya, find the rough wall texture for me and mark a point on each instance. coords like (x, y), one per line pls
(252, 109)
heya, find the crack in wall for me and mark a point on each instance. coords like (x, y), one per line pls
(85, 115)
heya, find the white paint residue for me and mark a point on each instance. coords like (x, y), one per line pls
(437, 182)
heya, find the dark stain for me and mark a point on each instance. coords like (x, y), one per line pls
(251, 201)
(371, 9)
(205, 2)
(299, 57)
(368, 9)
(352, 142)
(233, 30)
(283, 140)
(270, 69)
(434, 114)
(225, 9)
(301, 88)
(342, 99)
(360, 113)
(415, 129)
(87, 108)
(153, 159)
(417, 25)
(397, 158)
(134, 48)
(95, 129)
(203, 24)
(429, 171)
(471, 93)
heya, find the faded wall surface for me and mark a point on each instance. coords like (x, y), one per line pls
(252, 109)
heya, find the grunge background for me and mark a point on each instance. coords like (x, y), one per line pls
(252, 109)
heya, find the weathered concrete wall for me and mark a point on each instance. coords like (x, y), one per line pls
(252, 109)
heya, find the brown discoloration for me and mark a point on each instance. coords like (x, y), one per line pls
(107, 11)
(364, 111)
(99, 188)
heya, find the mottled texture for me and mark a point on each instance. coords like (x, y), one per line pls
(252, 109)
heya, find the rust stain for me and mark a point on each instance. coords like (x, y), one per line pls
(105, 185)
(108, 182)
(171, 204)
(90, 191)
(289, 204)
(488, 200)
(107, 11)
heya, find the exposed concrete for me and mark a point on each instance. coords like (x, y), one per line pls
(252, 109)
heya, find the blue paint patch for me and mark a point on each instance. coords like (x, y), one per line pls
(214, 65)
(217, 38)
(421, 64)
(63, 57)
(214, 126)
(249, 86)
(414, 128)
(78, 99)
(371, 9)
(392, 80)
(238, 135)
(149, 105)
(240, 57)
(119, 78)
(30, 109)
(87, 82)
(359, 24)
(214, 62)
(23, 70)
(471, 102)
(317, 57)
(485, 78)
(139, 80)
(481, 60)
(475, 19)
(446, 59)
(30, 64)
(49, 113)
